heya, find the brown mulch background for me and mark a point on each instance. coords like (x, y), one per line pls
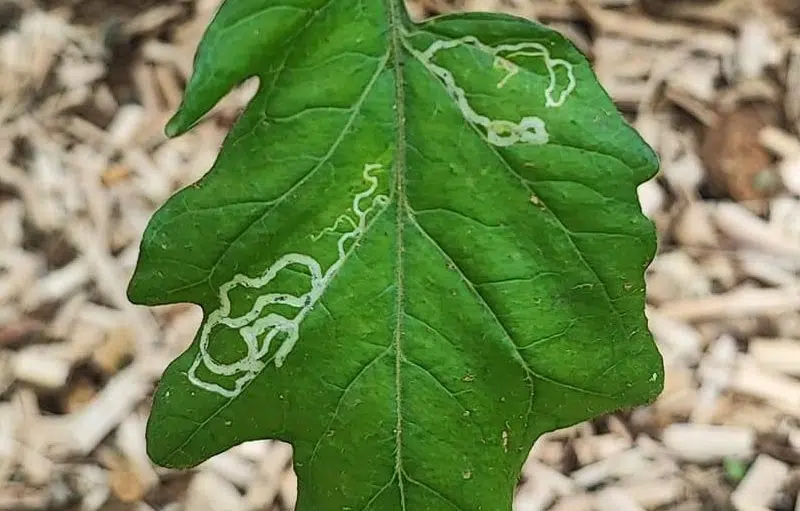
(85, 89)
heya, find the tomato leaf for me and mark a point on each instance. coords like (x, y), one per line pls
(419, 249)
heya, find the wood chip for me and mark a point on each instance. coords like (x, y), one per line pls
(706, 443)
(761, 484)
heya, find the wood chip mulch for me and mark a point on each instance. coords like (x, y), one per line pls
(85, 89)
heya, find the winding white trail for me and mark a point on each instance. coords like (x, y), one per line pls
(257, 330)
(499, 132)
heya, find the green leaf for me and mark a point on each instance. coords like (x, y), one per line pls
(419, 249)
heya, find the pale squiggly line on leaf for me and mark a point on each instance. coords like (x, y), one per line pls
(530, 129)
(256, 331)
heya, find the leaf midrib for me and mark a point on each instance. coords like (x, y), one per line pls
(396, 9)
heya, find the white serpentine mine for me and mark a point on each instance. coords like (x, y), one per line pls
(529, 129)
(257, 331)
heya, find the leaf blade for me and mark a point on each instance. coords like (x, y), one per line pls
(483, 330)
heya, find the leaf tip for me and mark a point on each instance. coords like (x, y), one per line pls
(176, 126)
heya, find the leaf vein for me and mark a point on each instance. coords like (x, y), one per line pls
(272, 205)
(438, 383)
(436, 493)
(507, 337)
(338, 407)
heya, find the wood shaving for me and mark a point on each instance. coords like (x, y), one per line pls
(85, 89)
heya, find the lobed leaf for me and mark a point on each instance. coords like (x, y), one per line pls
(419, 249)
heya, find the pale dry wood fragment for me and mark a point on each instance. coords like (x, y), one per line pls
(180, 330)
(92, 485)
(761, 483)
(125, 125)
(7, 376)
(64, 319)
(228, 465)
(751, 414)
(84, 338)
(123, 479)
(416, 11)
(756, 49)
(679, 276)
(657, 493)
(722, 13)
(792, 100)
(737, 303)
(100, 316)
(11, 215)
(651, 197)
(50, 178)
(680, 339)
(17, 269)
(19, 497)
(254, 450)
(626, 94)
(38, 469)
(548, 451)
(267, 486)
(289, 489)
(151, 19)
(169, 86)
(533, 496)
(116, 349)
(619, 58)
(784, 217)
(617, 426)
(699, 109)
(636, 27)
(782, 355)
(635, 462)
(76, 74)
(615, 499)
(111, 283)
(779, 142)
(151, 180)
(87, 132)
(695, 77)
(702, 443)
(578, 502)
(130, 438)
(41, 366)
(210, 492)
(589, 449)
(741, 225)
(55, 106)
(779, 390)
(793, 437)
(80, 432)
(693, 227)
(548, 477)
(104, 99)
(679, 395)
(39, 209)
(715, 373)
(56, 285)
(556, 11)
(722, 268)
(9, 451)
(786, 325)
(144, 80)
(167, 54)
(766, 268)
(652, 127)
